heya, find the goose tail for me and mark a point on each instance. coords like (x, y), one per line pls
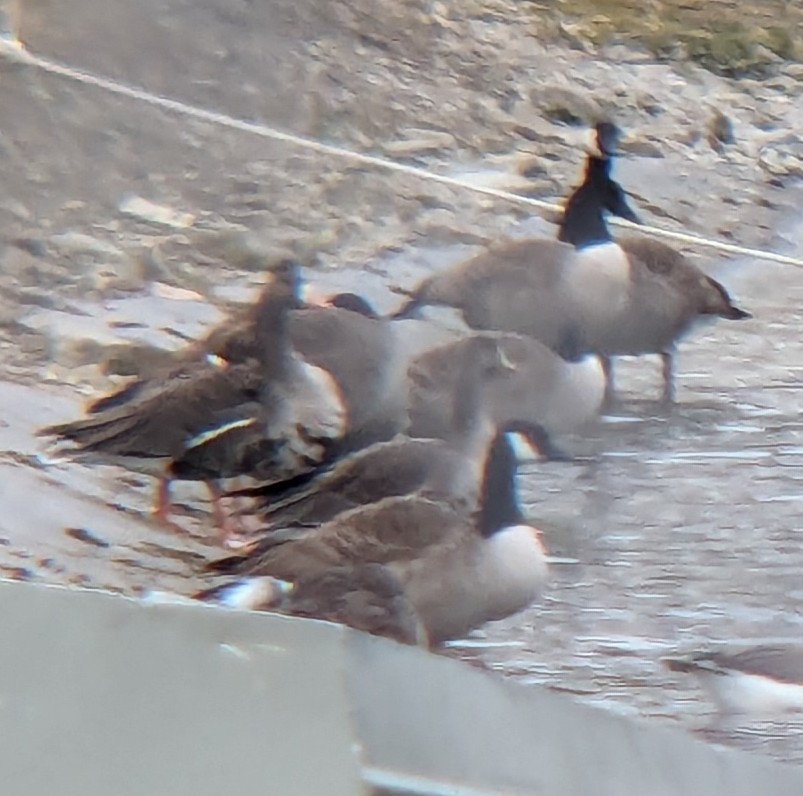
(721, 304)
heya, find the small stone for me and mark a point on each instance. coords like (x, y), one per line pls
(239, 247)
(74, 243)
(16, 209)
(649, 104)
(720, 131)
(426, 142)
(641, 147)
(34, 246)
(783, 158)
(565, 105)
(127, 274)
(537, 129)
(153, 213)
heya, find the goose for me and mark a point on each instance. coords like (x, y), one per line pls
(270, 416)
(666, 295)
(367, 597)
(584, 293)
(458, 573)
(342, 334)
(760, 680)
(548, 393)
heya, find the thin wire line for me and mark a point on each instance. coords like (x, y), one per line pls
(15, 51)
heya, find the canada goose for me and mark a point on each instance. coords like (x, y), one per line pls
(530, 286)
(542, 389)
(586, 294)
(665, 293)
(760, 680)
(270, 416)
(367, 597)
(457, 573)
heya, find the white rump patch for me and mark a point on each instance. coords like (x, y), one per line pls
(320, 407)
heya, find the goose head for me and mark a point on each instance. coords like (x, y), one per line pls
(583, 221)
(603, 140)
(485, 364)
(281, 293)
(353, 303)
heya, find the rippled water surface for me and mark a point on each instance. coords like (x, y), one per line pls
(686, 527)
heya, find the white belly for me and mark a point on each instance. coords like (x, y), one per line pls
(577, 395)
(479, 583)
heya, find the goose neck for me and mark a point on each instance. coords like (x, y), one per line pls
(499, 505)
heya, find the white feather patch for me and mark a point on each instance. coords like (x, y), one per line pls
(320, 405)
(250, 594)
(514, 561)
(577, 395)
(523, 449)
(218, 431)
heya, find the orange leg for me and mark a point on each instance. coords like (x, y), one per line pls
(161, 505)
(229, 530)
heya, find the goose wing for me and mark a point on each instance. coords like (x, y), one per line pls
(161, 424)
(395, 529)
(398, 467)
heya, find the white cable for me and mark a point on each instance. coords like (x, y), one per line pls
(15, 51)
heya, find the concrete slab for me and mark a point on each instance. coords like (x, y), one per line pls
(102, 694)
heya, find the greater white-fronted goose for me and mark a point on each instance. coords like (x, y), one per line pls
(270, 416)
(345, 337)
(367, 597)
(457, 573)
(584, 293)
(761, 680)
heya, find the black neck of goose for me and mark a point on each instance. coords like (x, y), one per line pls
(499, 502)
(584, 217)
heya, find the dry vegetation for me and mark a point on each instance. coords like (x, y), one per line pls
(727, 36)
